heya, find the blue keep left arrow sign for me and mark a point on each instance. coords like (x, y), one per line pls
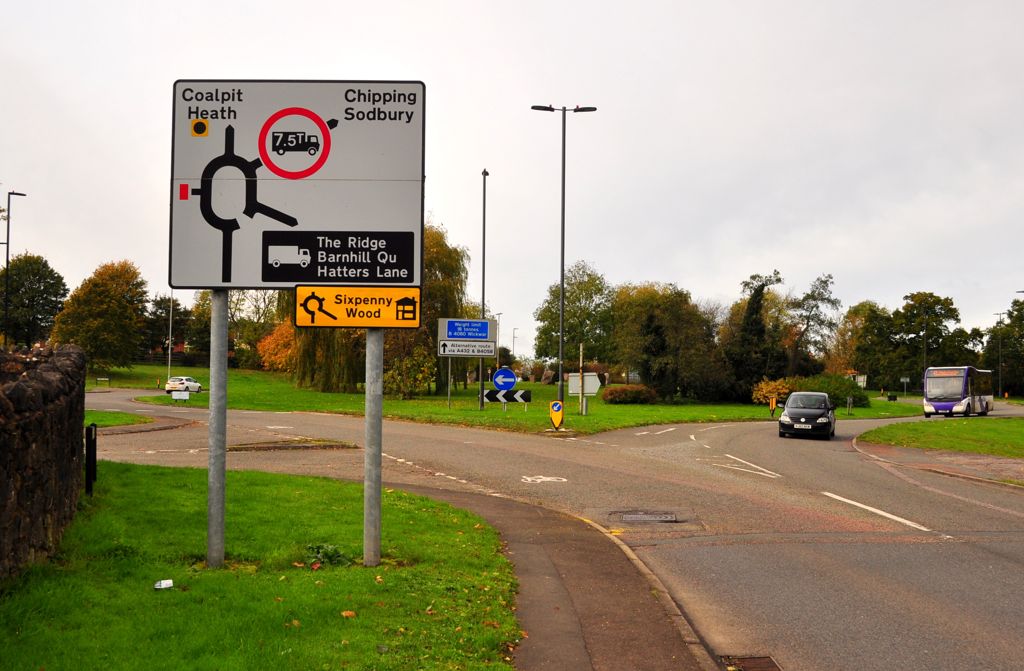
(504, 379)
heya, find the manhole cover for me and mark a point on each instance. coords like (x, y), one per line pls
(751, 664)
(648, 517)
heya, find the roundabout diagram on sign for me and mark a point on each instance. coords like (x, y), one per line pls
(285, 140)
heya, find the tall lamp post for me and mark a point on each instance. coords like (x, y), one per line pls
(514, 342)
(483, 280)
(7, 271)
(561, 291)
(999, 325)
(497, 341)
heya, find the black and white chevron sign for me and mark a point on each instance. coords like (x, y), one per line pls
(508, 396)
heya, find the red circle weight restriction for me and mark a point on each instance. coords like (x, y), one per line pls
(325, 133)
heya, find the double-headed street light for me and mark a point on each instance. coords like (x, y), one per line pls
(7, 271)
(561, 291)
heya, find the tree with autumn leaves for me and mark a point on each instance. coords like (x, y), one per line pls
(106, 316)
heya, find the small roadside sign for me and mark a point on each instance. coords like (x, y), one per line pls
(591, 384)
(467, 329)
(467, 337)
(466, 348)
(508, 396)
(357, 307)
(504, 379)
(556, 412)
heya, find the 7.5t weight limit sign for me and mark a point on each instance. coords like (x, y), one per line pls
(279, 183)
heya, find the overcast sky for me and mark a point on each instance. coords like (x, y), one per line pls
(882, 142)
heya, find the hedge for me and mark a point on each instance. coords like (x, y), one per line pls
(629, 394)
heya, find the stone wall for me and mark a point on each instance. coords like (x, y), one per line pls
(42, 409)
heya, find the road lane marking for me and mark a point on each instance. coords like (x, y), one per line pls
(280, 427)
(534, 479)
(746, 470)
(693, 437)
(772, 474)
(876, 511)
(658, 433)
(642, 433)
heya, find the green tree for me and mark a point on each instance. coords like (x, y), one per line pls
(920, 334)
(106, 316)
(197, 332)
(812, 324)
(159, 318)
(751, 354)
(37, 293)
(839, 359)
(588, 315)
(668, 340)
(878, 351)
(445, 275)
(923, 323)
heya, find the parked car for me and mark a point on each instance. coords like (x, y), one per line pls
(182, 384)
(809, 413)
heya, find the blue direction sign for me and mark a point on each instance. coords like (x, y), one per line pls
(469, 329)
(504, 379)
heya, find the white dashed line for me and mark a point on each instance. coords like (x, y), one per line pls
(745, 470)
(642, 433)
(771, 474)
(876, 511)
(665, 431)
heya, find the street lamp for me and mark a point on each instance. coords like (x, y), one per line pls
(7, 270)
(999, 325)
(561, 291)
(483, 278)
(497, 341)
(514, 342)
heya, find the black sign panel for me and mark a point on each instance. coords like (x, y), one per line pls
(336, 257)
(507, 396)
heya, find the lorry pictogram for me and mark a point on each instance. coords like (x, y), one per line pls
(278, 254)
(293, 140)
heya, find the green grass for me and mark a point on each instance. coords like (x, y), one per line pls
(999, 436)
(102, 418)
(442, 597)
(256, 390)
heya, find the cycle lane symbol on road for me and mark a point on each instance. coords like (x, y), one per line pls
(535, 479)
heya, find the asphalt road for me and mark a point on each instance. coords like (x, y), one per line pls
(804, 550)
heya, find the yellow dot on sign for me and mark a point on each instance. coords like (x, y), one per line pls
(200, 128)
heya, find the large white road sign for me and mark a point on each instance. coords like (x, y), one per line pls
(278, 183)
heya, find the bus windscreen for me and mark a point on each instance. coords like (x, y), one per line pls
(946, 388)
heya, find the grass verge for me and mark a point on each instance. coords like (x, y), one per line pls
(998, 436)
(104, 418)
(257, 390)
(441, 598)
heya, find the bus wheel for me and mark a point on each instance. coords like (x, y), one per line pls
(927, 415)
(967, 412)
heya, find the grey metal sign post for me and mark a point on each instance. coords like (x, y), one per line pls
(217, 459)
(373, 447)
